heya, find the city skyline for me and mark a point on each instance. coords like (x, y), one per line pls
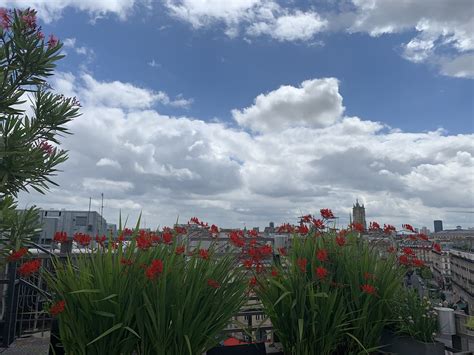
(257, 110)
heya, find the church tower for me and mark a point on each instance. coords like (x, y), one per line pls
(358, 214)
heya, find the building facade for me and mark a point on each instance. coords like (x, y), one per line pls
(71, 222)
(358, 214)
(462, 277)
(441, 268)
(438, 226)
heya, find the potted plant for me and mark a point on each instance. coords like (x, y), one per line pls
(148, 298)
(415, 326)
(331, 292)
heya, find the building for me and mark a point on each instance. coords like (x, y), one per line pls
(457, 235)
(71, 222)
(422, 250)
(438, 226)
(358, 214)
(441, 268)
(462, 277)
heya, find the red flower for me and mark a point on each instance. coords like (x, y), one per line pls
(306, 219)
(253, 233)
(101, 240)
(248, 263)
(155, 268)
(285, 228)
(82, 239)
(213, 283)
(60, 237)
(368, 289)
(5, 21)
(17, 254)
(29, 267)
(322, 255)
(204, 254)
(418, 263)
(358, 227)
(321, 272)
(302, 229)
(388, 229)
(180, 250)
(40, 35)
(57, 308)
(236, 238)
(167, 237)
(29, 18)
(408, 228)
(340, 240)
(144, 241)
(408, 251)
(127, 232)
(302, 263)
(214, 229)
(318, 224)
(259, 268)
(282, 251)
(124, 261)
(374, 226)
(274, 272)
(180, 230)
(265, 250)
(403, 259)
(53, 41)
(253, 281)
(391, 249)
(437, 247)
(326, 213)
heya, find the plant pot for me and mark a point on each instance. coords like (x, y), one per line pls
(405, 345)
(244, 349)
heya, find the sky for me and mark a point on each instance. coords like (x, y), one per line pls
(242, 112)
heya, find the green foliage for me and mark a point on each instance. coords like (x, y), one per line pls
(470, 323)
(112, 307)
(415, 317)
(334, 311)
(27, 158)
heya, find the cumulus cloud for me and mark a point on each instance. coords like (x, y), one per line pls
(315, 103)
(168, 167)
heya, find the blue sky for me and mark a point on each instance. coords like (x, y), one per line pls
(250, 110)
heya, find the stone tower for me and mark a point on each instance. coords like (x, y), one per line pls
(358, 214)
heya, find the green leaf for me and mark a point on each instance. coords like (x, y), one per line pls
(107, 332)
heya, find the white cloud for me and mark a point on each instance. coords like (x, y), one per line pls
(50, 10)
(290, 27)
(168, 167)
(459, 67)
(315, 103)
(71, 43)
(154, 64)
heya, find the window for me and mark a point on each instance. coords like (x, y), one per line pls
(81, 221)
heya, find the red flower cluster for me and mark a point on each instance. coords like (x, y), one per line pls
(195, 220)
(17, 254)
(286, 228)
(282, 251)
(29, 267)
(237, 238)
(180, 249)
(155, 268)
(57, 308)
(302, 263)
(180, 230)
(60, 237)
(326, 213)
(374, 226)
(322, 255)
(341, 240)
(408, 251)
(213, 283)
(101, 240)
(52, 41)
(82, 239)
(5, 21)
(274, 272)
(437, 247)
(368, 289)
(321, 272)
(214, 230)
(204, 254)
(408, 227)
(388, 229)
(358, 227)
(302, 229)
(167, 237)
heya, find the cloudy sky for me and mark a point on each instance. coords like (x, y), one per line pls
(245, 111)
